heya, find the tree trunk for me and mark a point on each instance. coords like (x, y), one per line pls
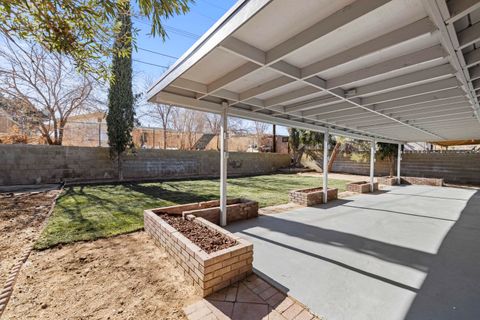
(60, 135)
(119, 166)
(164, 139)
(392, 166)
(333, 156)
(297, 157)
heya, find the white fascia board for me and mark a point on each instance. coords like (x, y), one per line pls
(240, 13)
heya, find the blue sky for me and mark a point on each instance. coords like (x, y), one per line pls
(182, 31)
(182, 34)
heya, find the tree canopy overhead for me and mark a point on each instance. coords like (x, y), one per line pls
(81, 29)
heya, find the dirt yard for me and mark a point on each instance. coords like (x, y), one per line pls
(124, 277)
(21, 218)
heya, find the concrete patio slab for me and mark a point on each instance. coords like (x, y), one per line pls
(408, 252)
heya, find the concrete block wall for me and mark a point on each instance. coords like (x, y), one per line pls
(343, 163)
(36, 164)
(453, 167)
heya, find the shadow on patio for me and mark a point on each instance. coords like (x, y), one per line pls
(450, 289)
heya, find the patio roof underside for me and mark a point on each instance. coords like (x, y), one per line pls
(399, 70)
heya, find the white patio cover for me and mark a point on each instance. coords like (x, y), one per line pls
(389, 70)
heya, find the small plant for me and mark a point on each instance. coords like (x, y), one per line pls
(388, 151)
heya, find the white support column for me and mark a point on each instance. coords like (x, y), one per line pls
(223, 165)
(325, 167)
(399, 159)
(372, 164)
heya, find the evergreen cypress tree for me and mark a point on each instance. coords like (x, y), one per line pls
(121, 113)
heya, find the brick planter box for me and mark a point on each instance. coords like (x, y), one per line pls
(312, 196)
(361, 187)
(388, 181)
(208, 272)
(237, 209)
(423, 181)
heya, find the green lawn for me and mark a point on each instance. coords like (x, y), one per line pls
(90, 212)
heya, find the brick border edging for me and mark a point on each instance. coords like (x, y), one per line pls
(9, 285)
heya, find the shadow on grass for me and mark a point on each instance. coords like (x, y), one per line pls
(88, 213)
(176, 196)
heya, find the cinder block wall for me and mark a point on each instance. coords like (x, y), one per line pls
(347, 165)
(453, 167)
(34, 164)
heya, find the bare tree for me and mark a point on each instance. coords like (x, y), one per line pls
(213, 122)
(188, 123)
(164, 113)
(46, 85)
(260, 129)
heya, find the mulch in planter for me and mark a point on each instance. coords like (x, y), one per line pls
(207, 239)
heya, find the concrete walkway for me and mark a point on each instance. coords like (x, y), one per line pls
(409, 252)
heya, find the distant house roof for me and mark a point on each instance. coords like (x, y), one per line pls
(457, 142)
(89, 117)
